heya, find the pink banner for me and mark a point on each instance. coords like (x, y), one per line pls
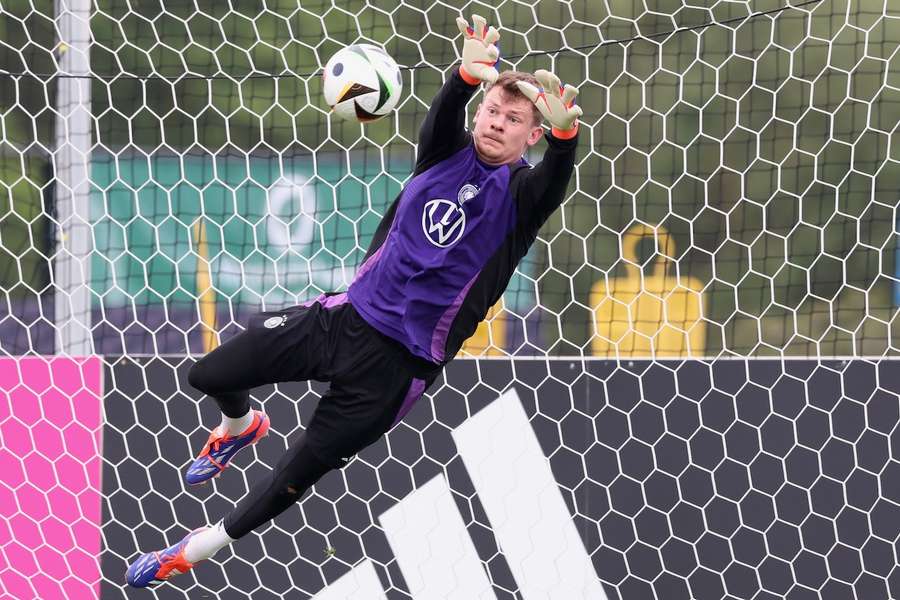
(50, 465)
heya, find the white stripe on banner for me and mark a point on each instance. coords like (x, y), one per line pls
(526, 510)
(433, 548)
(361, 583)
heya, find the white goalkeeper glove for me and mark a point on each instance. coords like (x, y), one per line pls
(480, 52)
(555, 102)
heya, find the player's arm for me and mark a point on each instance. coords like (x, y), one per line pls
(443, 133)
(543, 188)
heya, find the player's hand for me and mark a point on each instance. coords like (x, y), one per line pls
(556, 103)
(480, 52)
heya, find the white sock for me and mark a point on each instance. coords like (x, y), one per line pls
(238, 425)
(206, 543)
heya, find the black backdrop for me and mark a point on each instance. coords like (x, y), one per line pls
(725, 479)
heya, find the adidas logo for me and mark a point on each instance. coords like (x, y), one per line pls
(528, 516)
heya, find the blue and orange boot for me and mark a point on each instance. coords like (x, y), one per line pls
(220, 448)
(154, 568)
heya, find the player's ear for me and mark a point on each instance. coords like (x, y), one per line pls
(536, 134)
(477, 110)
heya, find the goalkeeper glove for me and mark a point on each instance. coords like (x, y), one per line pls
(555, 102)
(479, 53)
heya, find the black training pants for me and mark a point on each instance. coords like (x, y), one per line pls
(374, 383)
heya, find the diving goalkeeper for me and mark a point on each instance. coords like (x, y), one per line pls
(440, 258)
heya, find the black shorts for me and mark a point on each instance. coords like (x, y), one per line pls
(375, 381)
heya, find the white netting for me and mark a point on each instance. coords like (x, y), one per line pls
(735, 196)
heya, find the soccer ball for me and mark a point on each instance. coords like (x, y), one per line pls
(362, 83)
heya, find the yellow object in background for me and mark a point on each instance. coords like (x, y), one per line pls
(206, 295)
(490, 337)
(653, 315)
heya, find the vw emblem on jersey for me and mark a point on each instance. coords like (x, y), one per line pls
(273, 322)
(443, 222)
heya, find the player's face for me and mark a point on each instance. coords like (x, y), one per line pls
(504, 128)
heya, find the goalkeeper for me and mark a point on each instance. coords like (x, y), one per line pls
(441, 257)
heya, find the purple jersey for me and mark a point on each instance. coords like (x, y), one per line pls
(445, 251)
(449, 221)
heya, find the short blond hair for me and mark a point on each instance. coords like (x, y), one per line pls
(507, 82)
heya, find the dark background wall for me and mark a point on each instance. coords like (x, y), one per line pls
(725, 479)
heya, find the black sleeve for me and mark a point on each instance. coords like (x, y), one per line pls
(443, 133)
(540, 190)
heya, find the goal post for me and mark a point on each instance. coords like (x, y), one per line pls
(71, 165)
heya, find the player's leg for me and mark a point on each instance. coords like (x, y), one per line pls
(374, 386)
(275, 347)
(350, 417)
(297, 470)
(295, 473)
(227, 374)
(340, 436)
(282, 346)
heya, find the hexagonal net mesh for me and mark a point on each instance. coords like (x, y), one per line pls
(169, 169)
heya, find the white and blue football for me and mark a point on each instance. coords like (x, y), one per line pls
(362, 83)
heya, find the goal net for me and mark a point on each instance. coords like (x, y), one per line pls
(686, 390)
